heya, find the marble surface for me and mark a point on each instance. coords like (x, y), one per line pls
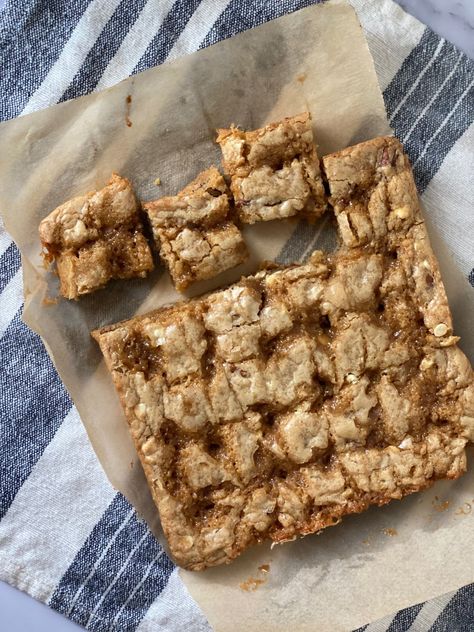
(21, 613)
(454, 20)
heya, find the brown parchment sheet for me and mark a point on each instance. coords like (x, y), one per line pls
(161, 124)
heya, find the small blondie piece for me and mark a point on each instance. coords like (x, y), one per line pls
(196, 235)
(275, 407)
(375, 200)
(95, 238)
(274, 171)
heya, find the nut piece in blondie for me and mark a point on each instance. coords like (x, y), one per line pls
(96, 237)
(196, 236)
(275, 407)
(274, 171)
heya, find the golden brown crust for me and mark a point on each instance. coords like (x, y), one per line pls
(96, 237)
(194, 231)
(274, 170)
(302, 394)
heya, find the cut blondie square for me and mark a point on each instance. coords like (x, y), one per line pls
(274, 171)
(273, 408)
(195, 233)
(375, 200)
(95, 238)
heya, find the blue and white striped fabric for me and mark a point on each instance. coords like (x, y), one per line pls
(66, 537)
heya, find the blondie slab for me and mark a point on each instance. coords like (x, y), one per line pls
(274, 171)
(195, 233)
(273, 408)
(95, 238)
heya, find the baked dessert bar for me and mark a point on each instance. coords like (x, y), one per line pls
(276, 406)
(196, 235)
(95, 238)
(274, 171)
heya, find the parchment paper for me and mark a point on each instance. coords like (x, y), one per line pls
(315, 59)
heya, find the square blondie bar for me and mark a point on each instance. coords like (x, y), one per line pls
(274, 171)
(96, 237)
(195, 233)
(274, 407)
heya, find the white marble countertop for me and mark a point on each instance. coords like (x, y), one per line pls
(452, 19)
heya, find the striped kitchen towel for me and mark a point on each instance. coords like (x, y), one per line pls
(66, 537)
